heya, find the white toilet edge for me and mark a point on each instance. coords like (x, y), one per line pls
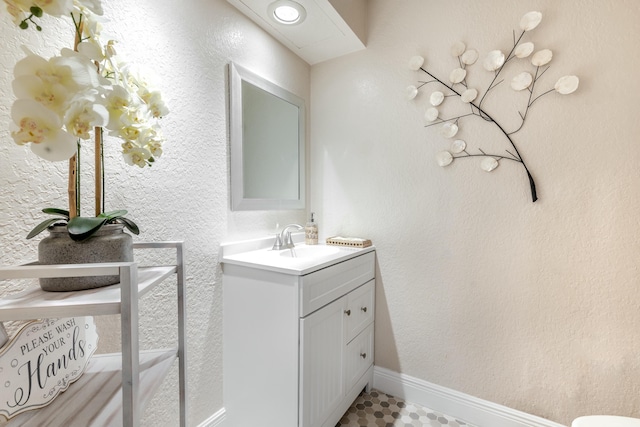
(605, 421)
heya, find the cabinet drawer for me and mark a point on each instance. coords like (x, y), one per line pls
(360, 309)
(359, 356)
(323, 286)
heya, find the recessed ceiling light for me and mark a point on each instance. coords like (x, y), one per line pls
(287, 12)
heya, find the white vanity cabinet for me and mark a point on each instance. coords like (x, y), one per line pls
(332, 357)
(298, 343)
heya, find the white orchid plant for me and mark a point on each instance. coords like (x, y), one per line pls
(65, 101)
(457, 86)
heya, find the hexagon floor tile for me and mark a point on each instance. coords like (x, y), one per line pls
(377, 409)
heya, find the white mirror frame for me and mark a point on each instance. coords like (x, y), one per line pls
(237, 75)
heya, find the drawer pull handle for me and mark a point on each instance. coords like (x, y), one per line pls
(364, 309)
(347, 312)
(363, 355)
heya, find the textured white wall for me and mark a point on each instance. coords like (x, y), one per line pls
(185, 196)
(534, 306)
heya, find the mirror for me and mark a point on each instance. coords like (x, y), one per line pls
(267, 132)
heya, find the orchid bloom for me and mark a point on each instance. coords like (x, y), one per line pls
(134, 155)
(54, 83)
(152, 140)
(41, 127)
(92, 48)
(155, 147)
(94, 6)
(83, 115)
(117, 100)
(155, 104)
(52, 96)
(137, 115)
(62, 99)
(56, 8)
(151, 97)
(18, 9)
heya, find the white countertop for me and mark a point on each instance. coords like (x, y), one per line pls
(301, 260)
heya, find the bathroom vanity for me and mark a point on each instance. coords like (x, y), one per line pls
(298, 333)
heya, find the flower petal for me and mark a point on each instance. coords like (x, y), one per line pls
(457, 75)
(530, 21)
(431, 114)
(59, 146)
(494, 60)
(412, 92)
(449, 130)
(489, 164)
(416, 62)
(41, 127)
(470, 57)
(94, 6)
(444, 158)
(523, 50)
(567, 84)
(41, 118)
(136, 156)
(458, 146)
(521, 81)
(541, 57)
(28, 64)
(83, 116)
(53, 96)
(91, 50)
(436, 98)
(56, 8)
(458, 49)
(469, 95)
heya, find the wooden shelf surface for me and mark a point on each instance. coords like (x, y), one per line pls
(95, 400)
(34, 303)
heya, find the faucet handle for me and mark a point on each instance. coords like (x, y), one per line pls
(277, 245)
(288, 240)
(284, 240)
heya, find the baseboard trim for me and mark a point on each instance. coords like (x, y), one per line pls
(475, 411)
(215, 420)
(481, 413)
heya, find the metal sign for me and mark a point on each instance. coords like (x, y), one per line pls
(42, 360)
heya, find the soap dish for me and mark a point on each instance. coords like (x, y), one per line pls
(352, 242)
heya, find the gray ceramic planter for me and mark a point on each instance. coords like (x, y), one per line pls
(109, 244)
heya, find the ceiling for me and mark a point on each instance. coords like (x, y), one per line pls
(325, 33)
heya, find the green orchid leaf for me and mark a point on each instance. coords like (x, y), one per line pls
(81, 228)
(42, 226)
(56, 211)
(112, 214)
(131, 226)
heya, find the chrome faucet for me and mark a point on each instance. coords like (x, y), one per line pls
(284, 240)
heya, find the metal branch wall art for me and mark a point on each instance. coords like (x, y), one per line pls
(457, 87)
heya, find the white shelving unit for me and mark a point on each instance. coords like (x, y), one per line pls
(115, 388)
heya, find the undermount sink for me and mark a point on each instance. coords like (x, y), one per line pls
(309, 251)
(300, 260)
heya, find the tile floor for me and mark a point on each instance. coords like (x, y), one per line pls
(377, 409)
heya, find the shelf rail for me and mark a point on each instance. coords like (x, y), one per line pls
(129, 304)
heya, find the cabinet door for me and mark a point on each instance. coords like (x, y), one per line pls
(321, 354)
